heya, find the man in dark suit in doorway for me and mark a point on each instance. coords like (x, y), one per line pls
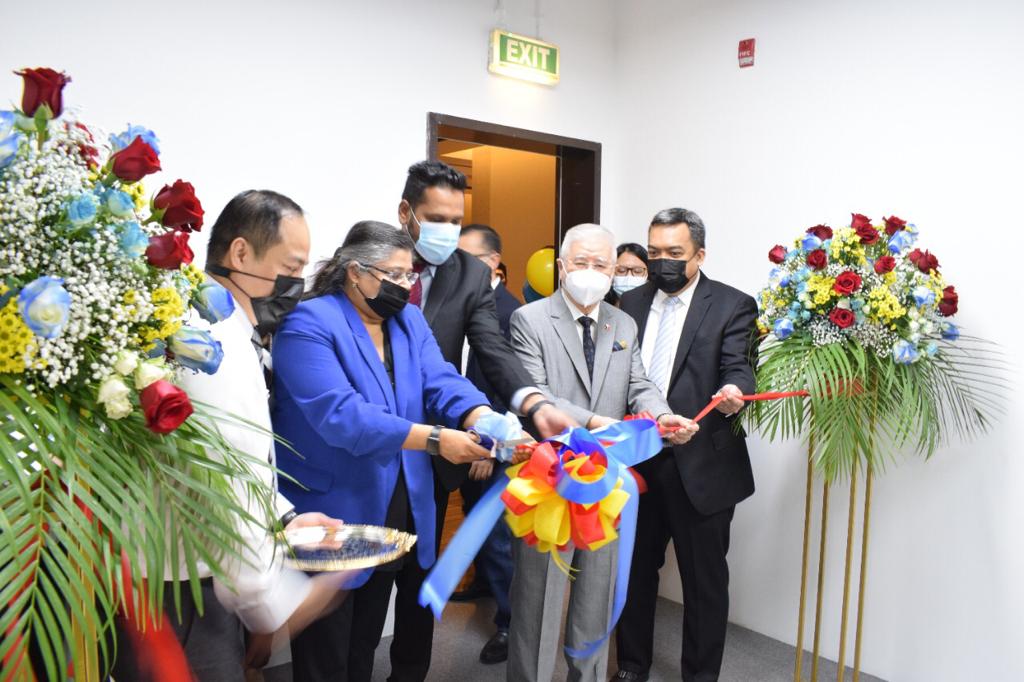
(494, 561)
(696, 338)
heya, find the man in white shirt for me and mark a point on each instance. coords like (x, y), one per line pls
(258, 249)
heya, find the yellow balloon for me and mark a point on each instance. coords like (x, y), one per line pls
(540, 271)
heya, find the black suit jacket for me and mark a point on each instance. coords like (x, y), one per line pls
(716, 347)
(506, 305)
(460, 305)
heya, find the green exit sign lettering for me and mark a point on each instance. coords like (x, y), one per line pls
(524, 58)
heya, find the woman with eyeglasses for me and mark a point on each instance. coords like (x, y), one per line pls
(359, 385)
(630, 271)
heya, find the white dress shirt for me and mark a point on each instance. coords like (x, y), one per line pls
(654, 320)
(264, 593)
(577, 314)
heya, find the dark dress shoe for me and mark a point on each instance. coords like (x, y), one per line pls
(474, 591)
(496, 649)
(629, 676)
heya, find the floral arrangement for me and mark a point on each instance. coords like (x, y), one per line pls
(96, 283)
(860, 316)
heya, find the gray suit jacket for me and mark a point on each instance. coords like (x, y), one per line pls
(547, 340)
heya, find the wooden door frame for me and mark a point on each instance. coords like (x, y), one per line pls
(578, 162)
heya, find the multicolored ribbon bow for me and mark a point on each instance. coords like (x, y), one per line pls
(573, 488)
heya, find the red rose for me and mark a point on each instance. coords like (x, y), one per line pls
(822, 232)
(867, 234)
(948, 304)
(777, 254)
(165, 405)
(885, 264)
(817, 259)
(859, 220)
(842, 317)
(924, 260)
(847, 283)
(894, 225)
(42, 86)
(177, 206)
(169, 251)
(135, 161)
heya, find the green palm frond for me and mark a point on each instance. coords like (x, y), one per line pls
(78, 490)
(864, 408)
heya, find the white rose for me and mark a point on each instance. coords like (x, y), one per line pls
(111, 390)
(147, 373)
(119, 408)
(126, 362)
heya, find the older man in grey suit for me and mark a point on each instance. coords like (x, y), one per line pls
(582, 353)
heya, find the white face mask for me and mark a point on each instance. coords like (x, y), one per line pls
(587, 287)
(624, 283)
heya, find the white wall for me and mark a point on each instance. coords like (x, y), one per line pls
(323, 100)
(912, 108)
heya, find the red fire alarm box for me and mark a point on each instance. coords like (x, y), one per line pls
(746, 53)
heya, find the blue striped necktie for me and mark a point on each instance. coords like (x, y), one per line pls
(660, 368)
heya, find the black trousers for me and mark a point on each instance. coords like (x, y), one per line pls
(701, 544)
(213, 642)
(340, 646)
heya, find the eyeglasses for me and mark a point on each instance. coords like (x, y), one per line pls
(597, 264)
(395, 276)
(639, 271)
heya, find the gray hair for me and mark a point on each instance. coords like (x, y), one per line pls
(588, 231)
(679, 216)
(368, 242)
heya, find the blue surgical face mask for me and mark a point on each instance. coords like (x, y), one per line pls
(437, 241)
(624, 283)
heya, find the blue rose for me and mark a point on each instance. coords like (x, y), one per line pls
(923, 296)
(82, 210)
(133, 240)
(44, 306)
(783, 328)
(119, 142)
(805, 315)
(158, 350)
(810, 243)
(7, 119)
(904, 352)
(197, 349)
(803, 273)
(901, 241)
(931, 349)
(213, 302)
(950, 331)
(9, 144)
(119, 203)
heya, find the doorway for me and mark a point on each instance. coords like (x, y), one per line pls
(529, 186)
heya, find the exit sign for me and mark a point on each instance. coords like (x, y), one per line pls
(524, 58)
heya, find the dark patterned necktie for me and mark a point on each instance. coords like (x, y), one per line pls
(588, 343)
(416, 293)
(263, 354)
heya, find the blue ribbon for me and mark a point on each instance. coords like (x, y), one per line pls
(628, 443)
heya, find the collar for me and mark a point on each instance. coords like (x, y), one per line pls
(576, 312)
(685, 298)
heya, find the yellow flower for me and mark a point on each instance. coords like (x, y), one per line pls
(137, 192)
(846, 246)
(194, 276)
(883, 306)
(819, 287)
(16, 346)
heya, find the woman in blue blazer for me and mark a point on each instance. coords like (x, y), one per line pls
(359, 384)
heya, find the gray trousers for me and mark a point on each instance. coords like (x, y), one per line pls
(538, 588)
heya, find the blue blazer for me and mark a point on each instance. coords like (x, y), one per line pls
(333, 403)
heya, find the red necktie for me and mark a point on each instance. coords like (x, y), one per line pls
(416, 293)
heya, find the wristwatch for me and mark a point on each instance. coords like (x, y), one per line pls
(287, 517)
(434, 441)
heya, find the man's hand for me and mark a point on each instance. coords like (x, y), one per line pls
(549, 420)
(313, 519)
(733, 400)
(683, 429)
(598, 422)
(481, 469)
(459, 447)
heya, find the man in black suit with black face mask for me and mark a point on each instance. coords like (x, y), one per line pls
(697, 339)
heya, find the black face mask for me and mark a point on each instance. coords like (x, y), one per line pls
(389, 301)
(667, 274)
(269, 310)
